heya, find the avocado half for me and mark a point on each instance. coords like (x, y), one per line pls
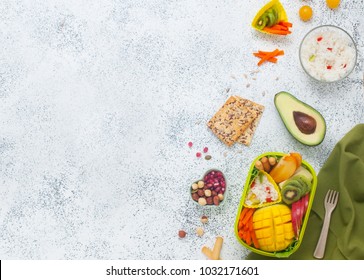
(305, 123)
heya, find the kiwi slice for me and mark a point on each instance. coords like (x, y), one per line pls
(293, 182)
(262, 22)
(303, 181)
(307, 182)
(291, 193)
(272, 20)
(276, 14)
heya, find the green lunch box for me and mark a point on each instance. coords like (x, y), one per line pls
(297, 242)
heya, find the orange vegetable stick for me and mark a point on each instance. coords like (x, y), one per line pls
(272, 59)
(240, 225)
(251, 224)
(278, 32)
(271, 54)
(248, 215)
(241, 233)
(243, 212)
(248, 239)
(246, 227)
(279, 27)
(285, 23)
(242, 215)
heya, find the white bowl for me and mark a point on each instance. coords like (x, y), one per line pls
(328, 53)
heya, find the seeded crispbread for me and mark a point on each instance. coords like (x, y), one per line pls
(231, 120)
(247, 136)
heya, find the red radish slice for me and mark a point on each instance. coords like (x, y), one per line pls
(299, 214)
(306, 200)
(294, 219)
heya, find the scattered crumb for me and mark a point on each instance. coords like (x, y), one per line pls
(204, 219)
(233, 76)
(254, 78)
(227, 90)
(198, 122)
(245, 76)
(200, 231)
(277, 78)
(247, 85)
(225, 154)
(263, 93)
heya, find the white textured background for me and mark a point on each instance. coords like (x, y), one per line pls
(98, 100)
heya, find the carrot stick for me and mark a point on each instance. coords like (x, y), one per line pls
(272, 59)
(240, 225)
(248, 215)
(285, 23)
(246, 227)
(248, 238)
(262, 53)
(279, 27)
(243, 212)
(271, 54)
(251, 224)
(278, 32)
(268, 56)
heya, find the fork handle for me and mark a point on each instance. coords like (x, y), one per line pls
(321, 244)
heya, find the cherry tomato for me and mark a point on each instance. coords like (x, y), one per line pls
(305, 13)
(333, 4)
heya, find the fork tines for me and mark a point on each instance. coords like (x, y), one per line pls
(332, 196)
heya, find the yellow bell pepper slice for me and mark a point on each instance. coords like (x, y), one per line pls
(279, 15)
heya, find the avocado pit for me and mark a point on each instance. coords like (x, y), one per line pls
(305, 123)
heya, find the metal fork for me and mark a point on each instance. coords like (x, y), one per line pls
(331, 200)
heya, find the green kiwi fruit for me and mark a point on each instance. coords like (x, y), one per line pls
(304, 181)
(291, 193)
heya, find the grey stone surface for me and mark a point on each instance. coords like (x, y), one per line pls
(98, 100)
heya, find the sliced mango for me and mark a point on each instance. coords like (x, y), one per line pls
(273, 227)
(271, 13)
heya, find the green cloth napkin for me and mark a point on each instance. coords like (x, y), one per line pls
(343, 171)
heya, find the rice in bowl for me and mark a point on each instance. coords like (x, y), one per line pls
(328, 53)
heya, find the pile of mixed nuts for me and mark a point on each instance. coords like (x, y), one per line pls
(210, 190)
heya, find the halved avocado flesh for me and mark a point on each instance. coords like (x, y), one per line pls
(305, 123)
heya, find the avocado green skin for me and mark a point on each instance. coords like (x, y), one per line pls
(309, 109)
